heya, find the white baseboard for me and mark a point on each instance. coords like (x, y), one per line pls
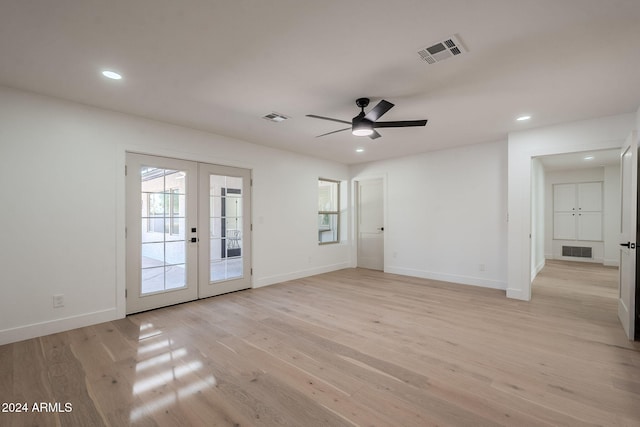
(463, 280)
(538, 268)
(611, 262)
(271, 280)
(40, 329)
(517, 294)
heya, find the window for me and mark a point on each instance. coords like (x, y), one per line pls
(328, 211)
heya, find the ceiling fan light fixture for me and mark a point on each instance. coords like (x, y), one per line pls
(362, 128)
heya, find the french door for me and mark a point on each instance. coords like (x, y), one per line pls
(188, 231)
(224, 222)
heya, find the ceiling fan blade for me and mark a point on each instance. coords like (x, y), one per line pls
(400, 124)
(375, 135)
(335, 131)
(377, 111)
(328, 118)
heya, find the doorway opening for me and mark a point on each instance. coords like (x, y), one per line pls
(576, 218)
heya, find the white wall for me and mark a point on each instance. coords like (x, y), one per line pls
(446, 214)
(62, 169)
(538, 205)
(596, 134)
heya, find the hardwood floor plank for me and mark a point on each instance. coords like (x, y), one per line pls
(67, 379)
(30, 386)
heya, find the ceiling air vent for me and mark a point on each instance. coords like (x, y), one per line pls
(447, 48)
(275, 117)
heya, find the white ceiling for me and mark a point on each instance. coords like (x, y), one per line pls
(220, 65)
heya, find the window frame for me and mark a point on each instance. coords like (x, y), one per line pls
(336, 212)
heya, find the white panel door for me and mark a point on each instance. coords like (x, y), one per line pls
(629, 192)
(590, 226)
(564, 225)
(564, 197)
(161, 208)
(371, 224)
(224, 230)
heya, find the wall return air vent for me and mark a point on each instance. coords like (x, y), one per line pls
(445, 49)
(577, 251)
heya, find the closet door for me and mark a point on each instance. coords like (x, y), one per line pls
(590, 197)
(590, 226)
(564, 197)
(564, 225)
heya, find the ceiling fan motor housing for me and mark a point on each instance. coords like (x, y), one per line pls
(362, 102)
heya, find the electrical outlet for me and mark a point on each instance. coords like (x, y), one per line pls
(58, 301)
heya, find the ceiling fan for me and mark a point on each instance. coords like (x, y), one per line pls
(365, 124)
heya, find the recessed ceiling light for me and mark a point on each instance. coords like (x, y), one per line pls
(523, 118)
(359, 150)
(111, 75)
(589, 158)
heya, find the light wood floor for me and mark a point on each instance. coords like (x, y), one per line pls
(353, 347)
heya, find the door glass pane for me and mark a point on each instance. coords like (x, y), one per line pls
(175, 252)
(152, 255)
(225, 235)
(215, 228)
(152, 279)
(175, 276)
(163, 229)
(176, 229)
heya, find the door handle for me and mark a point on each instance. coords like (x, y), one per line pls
(381, 228)
(629, 245)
